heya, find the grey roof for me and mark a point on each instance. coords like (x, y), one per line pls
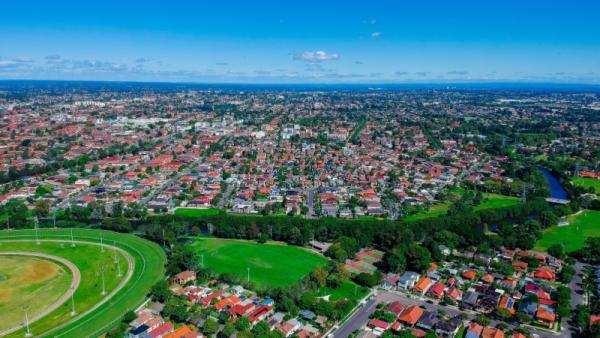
(408, 275)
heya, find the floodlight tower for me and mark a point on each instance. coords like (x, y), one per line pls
(103, 284)
(73, 313)
(37, 238)
(25, 309)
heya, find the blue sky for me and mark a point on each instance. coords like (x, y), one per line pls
(302, 41)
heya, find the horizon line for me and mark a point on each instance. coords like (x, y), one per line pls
(391, 83)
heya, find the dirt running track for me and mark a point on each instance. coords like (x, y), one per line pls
(61, 300)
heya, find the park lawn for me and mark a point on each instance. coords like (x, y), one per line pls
(271, 264)
(196, 212)
(37, 282)
(438, 209)
(348, 290)
(587, 183)
(149, 260)
(490, 201)
(581, 226)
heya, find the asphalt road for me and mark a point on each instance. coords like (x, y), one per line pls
(577, 297)
(310, 203)
(359, 319)
(226, 195)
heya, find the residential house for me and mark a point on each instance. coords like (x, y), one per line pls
(411, 315)
(408, 280)
(448, 327)
(423, 285)
(492, 332)
(184, 277)
(428, 320)
(395, 308)
(474, 330)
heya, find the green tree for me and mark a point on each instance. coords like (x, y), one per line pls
(175, 309)
(210, 326)
(482, 320)
(394, 260)
(557, 250)
(418, 258)
(16, 211)
(160, 291)
(228, 330)
(42, 208)
(129, 317)
(260, 329)
(503, 313)
(242, 324)
(319, 276)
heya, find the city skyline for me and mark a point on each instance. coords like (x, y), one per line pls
(350, 42)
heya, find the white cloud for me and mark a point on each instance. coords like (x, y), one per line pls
(317, 56)
(376, 34)
(16, 64)
(458, 72)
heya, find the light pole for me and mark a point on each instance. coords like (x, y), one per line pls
(103, 285)
(37, 239)
(73, 313)
(27, 333)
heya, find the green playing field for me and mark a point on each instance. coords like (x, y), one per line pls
(271, 264)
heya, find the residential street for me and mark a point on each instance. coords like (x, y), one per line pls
(361, 317)
(310, 202)
(226, 195)
(577, 297)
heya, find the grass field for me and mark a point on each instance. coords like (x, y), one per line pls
(490, 201)
(348, 290)
(36, 282)
(435, 210)
(195, 212)
(587, 183)
(581, 226)
(148, 259)
(271, 264)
